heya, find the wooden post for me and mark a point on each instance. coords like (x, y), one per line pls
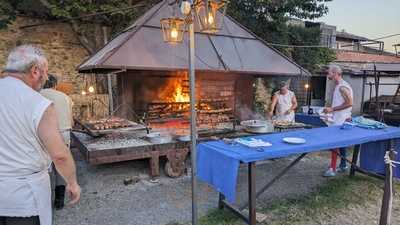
(386, 209)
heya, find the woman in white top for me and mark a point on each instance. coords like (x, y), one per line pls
(284, 103)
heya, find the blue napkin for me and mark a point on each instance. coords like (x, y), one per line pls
(362, 122)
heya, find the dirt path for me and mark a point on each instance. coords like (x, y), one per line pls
(107, 201)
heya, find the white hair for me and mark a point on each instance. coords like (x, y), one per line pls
(335, 68)
(23, 57)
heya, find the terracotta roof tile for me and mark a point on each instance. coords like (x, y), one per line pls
(351, 56)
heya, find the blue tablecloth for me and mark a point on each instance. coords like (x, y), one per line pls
(218, 162)
(313, 119)
(372, 154)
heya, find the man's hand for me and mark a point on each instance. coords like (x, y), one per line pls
(74, 193)
(288, 111)
(328, 110)
(270, 114)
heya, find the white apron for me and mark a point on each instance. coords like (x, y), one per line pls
(284, 103)
(15, 191)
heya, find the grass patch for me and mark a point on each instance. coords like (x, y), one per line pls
(337, 193)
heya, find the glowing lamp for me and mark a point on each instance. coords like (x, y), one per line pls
(173, 29)
(210, 14)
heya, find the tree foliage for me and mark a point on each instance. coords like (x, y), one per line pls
(269, 20)
(266, 18)
(88, 29)
(7, 12)
(116, 20)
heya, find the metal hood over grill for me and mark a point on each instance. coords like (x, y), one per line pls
(233, 49)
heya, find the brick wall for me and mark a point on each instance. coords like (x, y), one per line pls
(62, 50)
(138, 88)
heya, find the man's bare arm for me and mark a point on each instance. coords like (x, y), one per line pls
(273, 104)
(49, 135)
(348, 100)
(294, 103)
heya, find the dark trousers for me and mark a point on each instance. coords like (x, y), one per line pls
(342, 152)
(34, 220)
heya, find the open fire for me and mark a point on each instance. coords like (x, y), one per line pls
(179, 96)
(171, 109)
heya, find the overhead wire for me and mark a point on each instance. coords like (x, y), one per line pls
(143, 5)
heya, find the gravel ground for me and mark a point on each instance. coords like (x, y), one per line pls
(107, 201)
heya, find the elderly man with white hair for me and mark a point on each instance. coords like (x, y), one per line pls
(29, 141)
(342, 102)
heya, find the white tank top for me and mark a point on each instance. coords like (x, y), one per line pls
(284, 103)
(21, 109)
(63, 105)
(339, 117)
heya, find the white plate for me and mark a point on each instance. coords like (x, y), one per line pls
(294, 140)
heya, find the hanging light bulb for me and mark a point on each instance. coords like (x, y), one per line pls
(306, 86)
(210, 19)
(83, 92)
(91, 89)
(174, 33)
(173, 29)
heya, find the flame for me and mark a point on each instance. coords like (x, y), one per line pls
(179, 96)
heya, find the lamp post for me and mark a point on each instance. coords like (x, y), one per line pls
(308, 98)
(173, 32)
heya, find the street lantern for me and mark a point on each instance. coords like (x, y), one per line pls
(173, 29)
(207, 14)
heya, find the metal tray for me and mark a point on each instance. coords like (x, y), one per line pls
(96, 133)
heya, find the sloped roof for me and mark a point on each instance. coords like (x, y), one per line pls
(354, 56)
(233, 49)
(383, 67)
(343, 34)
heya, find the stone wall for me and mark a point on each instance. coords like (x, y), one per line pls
(62, 49)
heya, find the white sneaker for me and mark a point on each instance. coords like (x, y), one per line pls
(342, 169)
(329, 173)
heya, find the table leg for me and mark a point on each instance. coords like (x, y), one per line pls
(276, 178)
(252, 193)
(221, 201)
(354, 160)
(154, 165)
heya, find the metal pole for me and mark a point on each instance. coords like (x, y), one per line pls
(109, 80)
(193, 131)
(364, 80)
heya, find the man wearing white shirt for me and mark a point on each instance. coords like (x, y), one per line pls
(63, 105)
(29, 141)
(342, 103)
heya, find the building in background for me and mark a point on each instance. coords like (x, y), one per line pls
(353, 54)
